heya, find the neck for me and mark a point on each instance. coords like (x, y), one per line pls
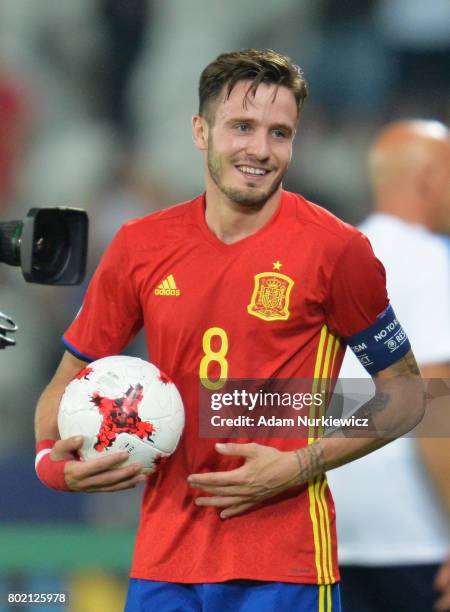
(231, 221)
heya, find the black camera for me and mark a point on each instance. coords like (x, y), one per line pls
(50, 245)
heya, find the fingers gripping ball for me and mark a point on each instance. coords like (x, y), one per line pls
(123, 403)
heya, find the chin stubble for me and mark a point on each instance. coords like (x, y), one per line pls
(244, 198)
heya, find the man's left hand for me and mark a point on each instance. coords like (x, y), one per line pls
(265, 473)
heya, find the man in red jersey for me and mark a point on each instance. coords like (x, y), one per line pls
(244, 281)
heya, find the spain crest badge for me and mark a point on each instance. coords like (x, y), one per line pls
(270, 298)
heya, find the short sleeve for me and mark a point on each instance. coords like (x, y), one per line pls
(111, 314)
(357, 289)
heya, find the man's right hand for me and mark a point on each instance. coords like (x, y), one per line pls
(96, 475)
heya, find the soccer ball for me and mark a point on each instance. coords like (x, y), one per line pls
(123, 403)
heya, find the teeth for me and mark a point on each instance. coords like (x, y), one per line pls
(251, 170)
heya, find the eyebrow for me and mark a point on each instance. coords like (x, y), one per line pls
(275, 126)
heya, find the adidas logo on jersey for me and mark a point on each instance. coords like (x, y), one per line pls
(167, 287)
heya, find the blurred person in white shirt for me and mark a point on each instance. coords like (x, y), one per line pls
(393, 507)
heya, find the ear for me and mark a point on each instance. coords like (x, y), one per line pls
(200, 130)
(430, 181)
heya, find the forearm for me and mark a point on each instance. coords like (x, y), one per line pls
(46, 426)
(332, 452)
(397, 407)
(45, 421)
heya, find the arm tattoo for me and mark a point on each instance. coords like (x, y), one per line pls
(406, 365)
(310, 461)
(377, 404)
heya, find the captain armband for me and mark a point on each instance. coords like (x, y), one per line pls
(382, 344)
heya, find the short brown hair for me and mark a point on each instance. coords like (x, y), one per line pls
(258, 66)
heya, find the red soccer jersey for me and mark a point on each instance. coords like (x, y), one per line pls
(203, 307)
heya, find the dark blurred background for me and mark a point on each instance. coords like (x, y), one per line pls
(96, 98)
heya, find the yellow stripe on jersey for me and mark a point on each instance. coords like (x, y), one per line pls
(318, 364)
(323, 534)
(317, 370)
(315, 526)
(327, 527)
(311, 485)
(336, 347)
(325, 378)
(330, 341)
(318, 508)
(165, 284)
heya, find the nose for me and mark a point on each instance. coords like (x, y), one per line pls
(258, 146)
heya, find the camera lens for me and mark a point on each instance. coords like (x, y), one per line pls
(10, 238)
(50, 245)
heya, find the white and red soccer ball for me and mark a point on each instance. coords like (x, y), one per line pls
(123, 403)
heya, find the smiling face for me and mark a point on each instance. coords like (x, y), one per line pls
(248, 142)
